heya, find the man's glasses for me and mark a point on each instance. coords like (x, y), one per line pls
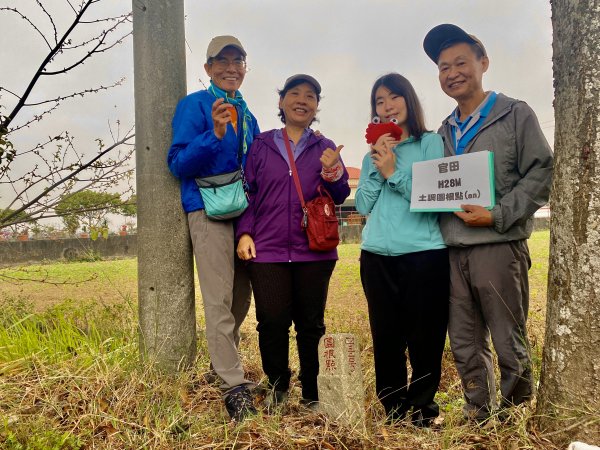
(224, 63)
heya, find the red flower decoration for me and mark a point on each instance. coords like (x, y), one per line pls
(375, 130)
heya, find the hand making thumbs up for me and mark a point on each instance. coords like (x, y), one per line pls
(330, 157)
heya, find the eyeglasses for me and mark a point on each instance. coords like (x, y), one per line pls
(224, 63)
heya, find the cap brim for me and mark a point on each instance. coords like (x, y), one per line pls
(237, 47)
(303, 77)
(442, 35)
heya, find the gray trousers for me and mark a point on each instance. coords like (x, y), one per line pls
(225, 287)
(489, 295)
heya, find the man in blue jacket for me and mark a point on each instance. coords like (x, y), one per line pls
(212, 132)
(489, 258)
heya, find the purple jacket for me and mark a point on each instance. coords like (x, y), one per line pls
(274, 215)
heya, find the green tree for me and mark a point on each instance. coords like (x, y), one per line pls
(129, 207)
(23, 218)
(88, 208)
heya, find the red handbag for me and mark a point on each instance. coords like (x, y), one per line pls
(319, 221)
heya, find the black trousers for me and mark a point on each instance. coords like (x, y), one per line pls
(286, 293)
(408, 299)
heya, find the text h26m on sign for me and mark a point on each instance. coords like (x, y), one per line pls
(442, 185)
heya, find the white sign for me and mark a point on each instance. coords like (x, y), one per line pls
(446, 183)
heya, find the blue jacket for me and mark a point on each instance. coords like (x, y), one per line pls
(196, 151)
(391, 228)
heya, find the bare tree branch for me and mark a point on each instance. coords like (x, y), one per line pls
(89, 54)
(71, 5)
(36, 149)
(10, 92)
(51, 173)
(8, 119)
(24, 17)
(76, 94)
(49, 18)
(65, 179)
(36, 118)
(106, 19)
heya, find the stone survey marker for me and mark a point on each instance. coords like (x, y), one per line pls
(340, 380)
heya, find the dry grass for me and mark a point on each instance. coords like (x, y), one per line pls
(70, 376)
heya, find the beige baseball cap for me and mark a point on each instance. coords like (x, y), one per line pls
(218, 43)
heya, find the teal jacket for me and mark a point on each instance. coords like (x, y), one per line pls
(391, 228)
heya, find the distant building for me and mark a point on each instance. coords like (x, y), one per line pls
(347, 214)
(354, 174)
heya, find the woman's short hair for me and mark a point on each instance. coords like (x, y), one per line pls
(399, 85)
(292, 85)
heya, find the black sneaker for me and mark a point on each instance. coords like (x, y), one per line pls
(211, 377)
(419, 420)
(239, 403)
(396, 416)
(311, 405)
(275, 400)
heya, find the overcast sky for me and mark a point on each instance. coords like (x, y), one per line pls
(346, 45)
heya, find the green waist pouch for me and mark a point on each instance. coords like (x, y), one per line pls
(223, 195)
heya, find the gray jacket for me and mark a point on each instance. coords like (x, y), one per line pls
(523, 173)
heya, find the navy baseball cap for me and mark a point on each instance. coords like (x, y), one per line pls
(443, 36)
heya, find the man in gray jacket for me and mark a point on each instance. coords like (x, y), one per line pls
(489, 257)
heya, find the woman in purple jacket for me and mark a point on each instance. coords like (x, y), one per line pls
(289, 281)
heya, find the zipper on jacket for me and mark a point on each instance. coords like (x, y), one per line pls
(448, 133)
(290, 217)
(308, 146)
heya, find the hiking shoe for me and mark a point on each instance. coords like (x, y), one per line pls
(211, 377)
(312, 405)
(396, 416)
(239, 403)
(419, 420)
(275, 400)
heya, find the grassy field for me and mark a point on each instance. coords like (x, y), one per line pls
(70, 376)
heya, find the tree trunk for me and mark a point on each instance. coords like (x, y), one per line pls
(165, 267)
(569, 399)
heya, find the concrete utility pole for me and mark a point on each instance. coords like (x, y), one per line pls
(165, 265)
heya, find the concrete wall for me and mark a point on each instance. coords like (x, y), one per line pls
(19, 252)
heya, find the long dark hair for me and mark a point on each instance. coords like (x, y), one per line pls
(399, 85)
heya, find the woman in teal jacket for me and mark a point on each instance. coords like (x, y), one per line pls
(404, 262)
